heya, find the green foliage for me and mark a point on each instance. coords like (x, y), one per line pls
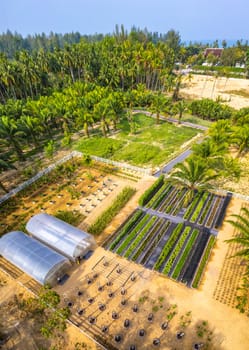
(133, 233)
(185, 253)
(139, 149)
(49, 149)
(73, 192)
(139, 154)
(199, 207)
(106, 217)
(144, 243)
(150, 192)
(126, 228)
(221, 69)
(176, 250)
(48, 297)
(99, 146)
(158, 197)
(71, 217)
(140, 236)
(168, 246)
(203, 262)
(211, 110)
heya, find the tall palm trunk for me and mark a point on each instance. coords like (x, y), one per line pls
(17, 149)
(3, 187)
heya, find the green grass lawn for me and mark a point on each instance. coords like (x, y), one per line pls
(196, 120)
(151, 145)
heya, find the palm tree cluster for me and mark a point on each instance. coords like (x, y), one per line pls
(210, 110)
(77, 107)
(211, 159)
(119, 64)
(27, 124)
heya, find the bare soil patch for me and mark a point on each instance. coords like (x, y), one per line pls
(229, 90)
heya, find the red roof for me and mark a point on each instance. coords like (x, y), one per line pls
(214, 51)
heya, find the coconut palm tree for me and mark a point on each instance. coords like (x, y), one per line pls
(241, 139)
(31, 127)
(215, 156)
(208, 149)
(241, 224)
(158, 105)
(4, 165)
(194, 175)
(84, 118)
(178, 85)
(180, 107)
(220, 131)
(11, 135)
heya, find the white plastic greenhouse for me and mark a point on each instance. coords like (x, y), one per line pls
(59, 235)
(37, 260)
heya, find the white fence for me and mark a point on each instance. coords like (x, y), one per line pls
(63, 160)
(124, 166)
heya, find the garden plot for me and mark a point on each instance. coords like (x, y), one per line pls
(204, 210)
(170, 239)
(74, 192)
(172, 249)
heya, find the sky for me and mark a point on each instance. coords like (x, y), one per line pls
(194, 19)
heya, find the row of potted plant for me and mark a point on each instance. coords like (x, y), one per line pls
(168, 246)
(155, 242)
(192, 206)
(126, 228)
(205, 211)
(132, 234)
(159, 196)
(185, 254)
(176, 250)
(199, 207)
(140, 236)
(203, 262)
(148, 239)
(212, 214)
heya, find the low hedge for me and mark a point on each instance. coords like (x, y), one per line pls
(148, 238)
(203, 262)
(133, 234)
(185, 254)
(176, 250)
(149, 193)
(140, 237)
(191, 206)
(126, 228)
(199, 207)
(106, 217)
(168, 246)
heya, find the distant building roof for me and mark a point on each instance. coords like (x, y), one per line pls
(214, 51)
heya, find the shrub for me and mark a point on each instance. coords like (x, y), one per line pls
(176, 250)
(168, 246)
(106, 217)
(185, 253)
(211, 110)
(69, 216)
(132, 235)
(126, 228)
(203, 262)
(140, 236)
(149, 193)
